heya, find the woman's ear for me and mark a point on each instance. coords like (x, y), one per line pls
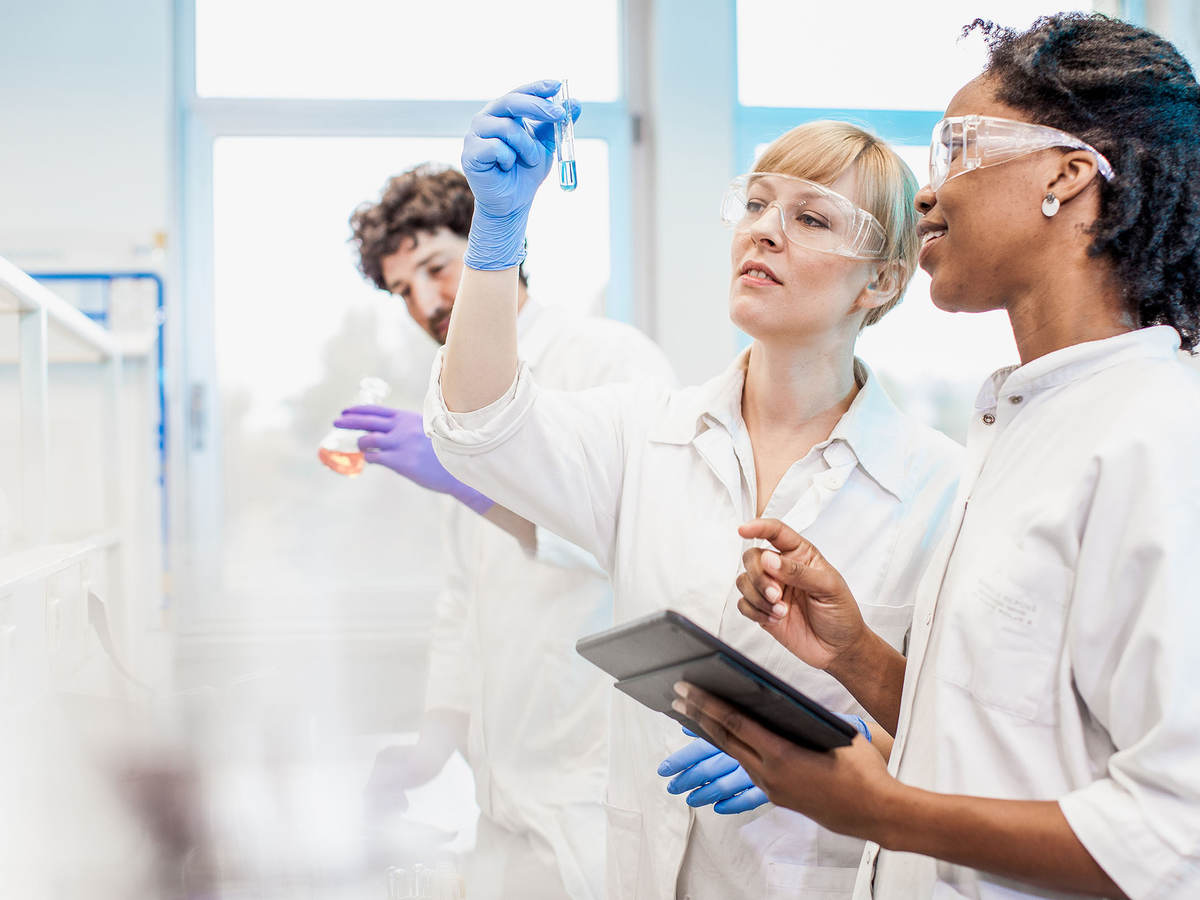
(1076, 170)
(884, 287)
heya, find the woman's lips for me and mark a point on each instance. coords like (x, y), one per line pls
(928, 241)
(757, 282)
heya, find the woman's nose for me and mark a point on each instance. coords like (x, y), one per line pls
(925, 200)
(768, 227)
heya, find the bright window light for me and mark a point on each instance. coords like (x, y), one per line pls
(886, 56)
(282, 264)
(383, 49)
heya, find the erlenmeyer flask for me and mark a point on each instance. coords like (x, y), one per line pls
(339, 449)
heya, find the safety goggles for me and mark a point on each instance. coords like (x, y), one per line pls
(810, 214)
(963, 143)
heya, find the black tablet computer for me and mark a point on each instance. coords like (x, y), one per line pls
(648, 655)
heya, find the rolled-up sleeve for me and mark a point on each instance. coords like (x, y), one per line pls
(1135, 627)
(480, 430)
(555, 458)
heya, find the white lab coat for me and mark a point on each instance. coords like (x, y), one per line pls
(503, 653)
(1054, 650)
(654, 482)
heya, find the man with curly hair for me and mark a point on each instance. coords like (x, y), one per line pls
(505, 685)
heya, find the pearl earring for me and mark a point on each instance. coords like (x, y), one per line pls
(1050, 205)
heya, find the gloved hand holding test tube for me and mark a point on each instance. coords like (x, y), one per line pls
(564, 142)
(507, 153)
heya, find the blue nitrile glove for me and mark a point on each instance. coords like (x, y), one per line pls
(506, 156)
(396, 438)
(717, 778)
(858, 723)
(712, 777)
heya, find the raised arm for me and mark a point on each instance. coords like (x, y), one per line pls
(505, 157)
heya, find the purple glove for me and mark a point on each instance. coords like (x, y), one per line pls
(396, 438)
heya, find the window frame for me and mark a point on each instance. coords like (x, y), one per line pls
(204, 119)
(200, 121)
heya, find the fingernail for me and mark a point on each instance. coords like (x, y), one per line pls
(773, 592)
(677, 705)
(779, 609)
(664, 768)
(771, 561)
(680, 688)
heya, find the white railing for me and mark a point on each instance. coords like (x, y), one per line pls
(48, 572)
(36, 308)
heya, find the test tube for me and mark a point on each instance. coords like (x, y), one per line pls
(564, 141)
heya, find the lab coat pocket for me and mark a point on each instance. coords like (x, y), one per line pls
(1004, 633)
(623, 862)
(786, 882)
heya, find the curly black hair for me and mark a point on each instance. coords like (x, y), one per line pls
(423, 199)
(1131, 95)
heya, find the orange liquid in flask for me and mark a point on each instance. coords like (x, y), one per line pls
(349, 464)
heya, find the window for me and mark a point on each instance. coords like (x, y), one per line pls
(281, 262)
(381, 49)
(806, 54)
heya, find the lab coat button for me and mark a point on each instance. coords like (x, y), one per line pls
(1015, 398)
(989, 419)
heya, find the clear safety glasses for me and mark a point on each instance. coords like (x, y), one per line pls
(963, 143)
(811, 214)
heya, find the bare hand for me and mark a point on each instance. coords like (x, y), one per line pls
(797, 596)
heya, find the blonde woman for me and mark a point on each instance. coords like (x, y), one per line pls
(655, 481)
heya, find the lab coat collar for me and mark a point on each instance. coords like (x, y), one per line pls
(1076, 362)
(692, 411)
(871, 432)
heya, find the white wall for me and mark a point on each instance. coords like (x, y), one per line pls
(85, 158)
(86, 102)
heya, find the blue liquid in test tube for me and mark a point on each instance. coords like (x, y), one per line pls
(566, 175)
(564, 142)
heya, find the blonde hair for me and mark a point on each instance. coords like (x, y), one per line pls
(824, 151)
